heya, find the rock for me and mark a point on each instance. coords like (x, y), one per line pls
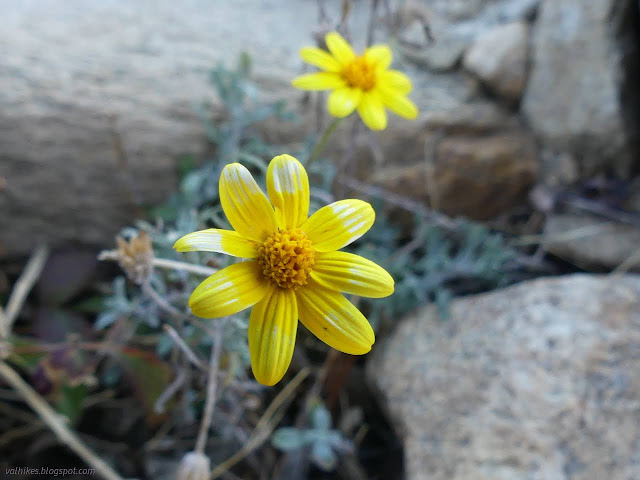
(480, 177)
(499, 58)
(479, 161)
(535, 381)
(591, 242)
(578, 93)
(475, 160)
(453, 26)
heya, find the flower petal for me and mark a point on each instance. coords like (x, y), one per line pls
(334, 320)
(343, 101)
(272, 335)
(338, 224)
(216, 240)
(228, 291)
(399, 104)
(318, 81)
(349, 273)
(380, 55)
(320, 58)
(371, 110)
(288, 188)
(339, 47)
(395, 81)
(246, 207)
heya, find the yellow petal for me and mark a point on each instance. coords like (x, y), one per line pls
(272, 335)
(343, 101)
(399, 104)
(333, 319)
(395, 81)
(288, 189)
(371, 110)
(320, 58)
(349, 273)
(339, 47)
(228, 291)
(380, 55)
(216, 240)
(318, 81)
(246, 207)
(338, 224)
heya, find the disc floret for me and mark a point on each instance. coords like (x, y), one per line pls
(360, 73)
(286, 258)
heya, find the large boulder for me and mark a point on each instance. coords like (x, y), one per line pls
(581, 96)
(98, 100)
(535, 381)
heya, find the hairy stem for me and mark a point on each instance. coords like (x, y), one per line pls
(319, 147)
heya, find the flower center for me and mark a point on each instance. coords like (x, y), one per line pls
(286, 258)
(360, 74)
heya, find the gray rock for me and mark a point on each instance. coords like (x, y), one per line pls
(499, 58)
(454, 26)
(574, 97)
(537, 381)
(591, 242)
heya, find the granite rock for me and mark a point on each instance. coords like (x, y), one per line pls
(534, 381)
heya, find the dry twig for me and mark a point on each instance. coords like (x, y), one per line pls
(55, 422)
(212, 385)
(182, 345)
(265, 426)
(21, 289)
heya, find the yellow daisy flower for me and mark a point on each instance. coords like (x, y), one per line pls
(358, 82)
(294, 270)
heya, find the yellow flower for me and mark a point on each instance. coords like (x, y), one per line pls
(364, 83)
(293, 272)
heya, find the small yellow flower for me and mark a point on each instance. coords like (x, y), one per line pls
(293, 272)
(364, 83)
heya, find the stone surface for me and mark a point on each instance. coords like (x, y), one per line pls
(475, 160)
(535, 381)
(454, 25)
(499, 58)
(479, 162)
(591, 242)
(576, 95)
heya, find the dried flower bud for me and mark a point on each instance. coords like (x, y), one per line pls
(194, 466)
(136, 257)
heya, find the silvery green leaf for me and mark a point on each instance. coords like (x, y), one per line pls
(323, 456)
(164, 345)
(288, 439)
(105, 319)
(320, 418)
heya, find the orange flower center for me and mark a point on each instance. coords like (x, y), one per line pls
(286, 258)
(360, 74)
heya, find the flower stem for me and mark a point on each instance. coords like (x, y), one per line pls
(319, 147)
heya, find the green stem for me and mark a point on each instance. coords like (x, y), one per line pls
(319, 147)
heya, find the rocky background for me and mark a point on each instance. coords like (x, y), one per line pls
(528, 107)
